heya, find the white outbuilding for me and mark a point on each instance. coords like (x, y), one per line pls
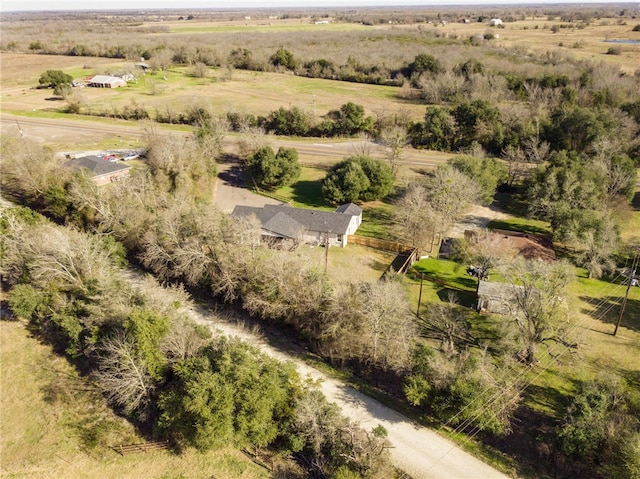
(106, 81)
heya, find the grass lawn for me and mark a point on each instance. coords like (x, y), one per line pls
(306, 192)
(443, 279)
(377, 221)
(54, 424)
(521, 224)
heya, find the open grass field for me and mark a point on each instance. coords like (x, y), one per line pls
(247, 92)
(261, 26)
(54, 425)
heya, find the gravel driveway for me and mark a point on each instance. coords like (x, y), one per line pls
(230, 190)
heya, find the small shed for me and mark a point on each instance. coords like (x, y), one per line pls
(106, 81)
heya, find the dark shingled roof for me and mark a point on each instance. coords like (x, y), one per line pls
(349, 209)
(96, 165)
(288, 221)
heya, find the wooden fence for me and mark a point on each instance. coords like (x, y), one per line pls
(142, 447)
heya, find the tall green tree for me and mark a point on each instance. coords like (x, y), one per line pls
(270, 170)
(283, 57)
(233, 394)
(479, 121)
(437, 132)
(351, 119)
(288, 122)
(54, 78)
(357, 178)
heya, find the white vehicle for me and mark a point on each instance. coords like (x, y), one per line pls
(131, 156)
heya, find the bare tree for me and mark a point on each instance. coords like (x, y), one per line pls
(414, 217)
(541, 315)
(515, 159)
(486, 250)
(362, 144)
(28, 168)
(450, 193)
(536, 151)
(122, 374)
(449, 324)
(394, 138)
(388, 324)
(184, 339)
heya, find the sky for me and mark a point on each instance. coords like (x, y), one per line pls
(17, 5)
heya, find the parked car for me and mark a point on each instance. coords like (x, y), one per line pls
(131, 156)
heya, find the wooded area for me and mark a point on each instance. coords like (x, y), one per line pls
(556, 138)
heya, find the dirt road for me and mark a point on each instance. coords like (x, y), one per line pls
(418, 451)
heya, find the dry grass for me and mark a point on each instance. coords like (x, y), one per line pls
(54, 425)
(353, 263)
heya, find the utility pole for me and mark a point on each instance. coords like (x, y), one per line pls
(632, 274)
(420, 296)
(326, 251)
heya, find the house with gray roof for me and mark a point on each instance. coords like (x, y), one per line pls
(305, 225)
(102, 171)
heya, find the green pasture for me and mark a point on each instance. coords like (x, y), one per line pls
(250, 92)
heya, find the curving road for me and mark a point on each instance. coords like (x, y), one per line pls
(418, 451)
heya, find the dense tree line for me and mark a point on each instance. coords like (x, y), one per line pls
(162, 370)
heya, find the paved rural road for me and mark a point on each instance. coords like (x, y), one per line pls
(48, 130)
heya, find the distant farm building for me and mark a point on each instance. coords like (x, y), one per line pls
(101, 171)
(106, 81)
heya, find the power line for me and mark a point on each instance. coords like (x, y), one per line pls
(521, 377)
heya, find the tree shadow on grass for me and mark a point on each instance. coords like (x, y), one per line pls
(463, 298)
(636, 201)
(607, 310)
(309, 193)
(460, 284)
